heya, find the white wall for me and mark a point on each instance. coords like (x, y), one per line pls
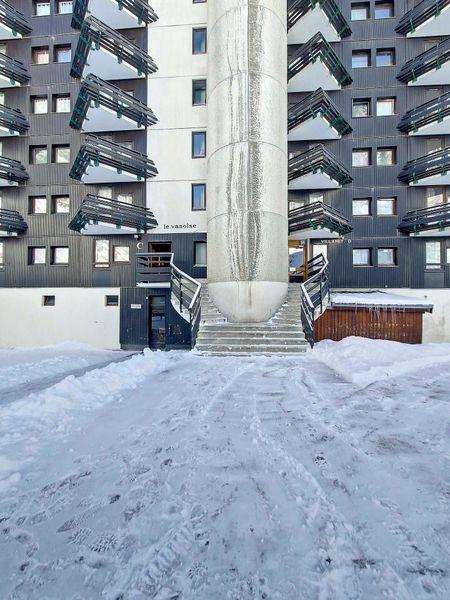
(79, 315)
(170, 97)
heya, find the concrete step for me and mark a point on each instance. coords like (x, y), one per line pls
(267, 329)
(236, 349)
(260, 335)
(241, 341)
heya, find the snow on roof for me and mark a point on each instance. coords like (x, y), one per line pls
(378, 299)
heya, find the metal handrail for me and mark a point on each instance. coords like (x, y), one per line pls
(422, 12)
(139, 8)
(424, 62)
(317, 103)
(433, 217)
(13, 119)
(13, 19)
(433, 111)
(298, 8)
(315, 295)
(317, 159)
(14, 70)
(12, 221)
(318, 214)
(435, 163)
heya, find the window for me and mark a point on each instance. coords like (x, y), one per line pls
(199, 41)
(101, 253)
(386, 157)
(385, 107)
(60, 204)
(2, 255)
(48, 300)
(361, 207)
(40, 56)
(59, 255)
(64, 7)
(360, 59)
(36, 255)
(360, 11)
(362, 157)
(41, 9)
(361, 107)
(200, 254)
(433, 255)
(386, 207)
(61, 154)
(105, 192)
(198, 144)
(62, 54)
(384, 10)
(39, 105)
(435, 196)
(121, 254)
(37, 205)
(38, 155)
(387, 257)
(112, 300)
(127, 198)
(199, 92)
(198, 196)
(385, 57)
(362, 257)
(447, 256)
(61, 103)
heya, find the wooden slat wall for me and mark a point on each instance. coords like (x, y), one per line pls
(400, 326)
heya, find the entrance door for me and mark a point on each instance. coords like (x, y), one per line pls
(157, 322)
(297, 260)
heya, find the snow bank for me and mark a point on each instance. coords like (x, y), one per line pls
(363, 361)
(378, 299)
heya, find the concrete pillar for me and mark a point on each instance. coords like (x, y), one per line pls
(247, 157)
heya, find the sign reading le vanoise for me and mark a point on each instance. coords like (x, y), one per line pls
(180, 226)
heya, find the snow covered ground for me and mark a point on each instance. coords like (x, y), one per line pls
(173, 476)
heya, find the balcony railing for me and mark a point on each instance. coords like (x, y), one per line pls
(433, 166)
(434, 218)
(115, 162)
(434, 111)
(317, 160)
(12, 22)
(12, 172)
(118, 14)
(12, 72)
(429, 60)
(317, 104)
(120, 111)
(11, 223)
(98, 215)
(423, 12)
(12, 121)
(317, 216)
(120, 59)
(315, 295)
(299, 8)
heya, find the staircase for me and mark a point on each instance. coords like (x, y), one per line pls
(282, 335)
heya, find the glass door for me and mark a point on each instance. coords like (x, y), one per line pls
(157, 322)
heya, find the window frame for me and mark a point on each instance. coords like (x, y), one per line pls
(194, 82)
(369, 156)
(394, 256)
(193, 136)
(196, 244)
(193, 186)
(369, 207)
(53, 252)
(369, 255)
(196, 30)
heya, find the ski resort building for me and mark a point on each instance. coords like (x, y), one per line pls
(208, 170)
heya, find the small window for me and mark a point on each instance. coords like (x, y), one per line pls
(198, 144)
(386, 207)
(384, 10)
(361, 108)
(361, 207)
(2, 255)
(64, 7)
(433, 255)
(360, 59)
(40, 56)
(60, 204)
(121, 254)
(362, 257)
(61, 103)
(59, 255)
(362, 157)
(39, 105)
(447, 256)
(387, 257)
(385, 107)
(61, 154)
(37, 255)
(199, 40)
(199, 92)
(385, 57)
(48, 300)
(386, 157)
(105, 192)
(111, 300)
(360, 11)
(198, 196)
(126, 198)
(37, 205)
(41, 9)
(101, 253)
(200, 254)
(62, 54)
(38, 155)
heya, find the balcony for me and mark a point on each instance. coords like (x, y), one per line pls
(305, 16)
(12, 223)
(316, 169)
(317, 221)
(431, 169)
(118, 14)
(316, 118)
(428, 18)
(101, 106)
(101, 161)
(13, 24)
(12, 122)
(431, 118)
(12, 172)
(104, 51)
(433, 221)
(315, 64)
(103, 216)
(12, 72)
(432, 67)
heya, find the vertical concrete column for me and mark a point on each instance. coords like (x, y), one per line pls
(247, 157)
